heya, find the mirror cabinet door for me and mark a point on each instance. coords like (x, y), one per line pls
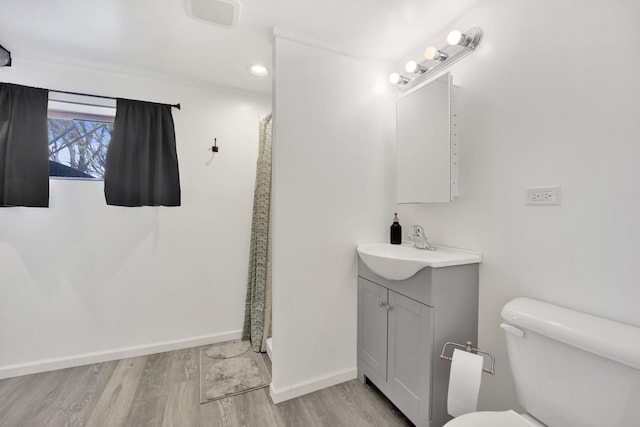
(423, 143)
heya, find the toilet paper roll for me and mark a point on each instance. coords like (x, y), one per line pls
(464, 382)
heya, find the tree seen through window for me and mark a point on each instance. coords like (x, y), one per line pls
(78, 148)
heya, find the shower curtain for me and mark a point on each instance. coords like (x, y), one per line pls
(257, 315)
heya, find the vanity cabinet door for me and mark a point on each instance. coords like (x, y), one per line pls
(372, 326)
(410, 351)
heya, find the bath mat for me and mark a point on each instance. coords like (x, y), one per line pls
(230, 368)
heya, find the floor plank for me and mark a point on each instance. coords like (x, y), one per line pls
(183, 405)
(10, 392)
(118, 396)
(33, 398)
(73, 405)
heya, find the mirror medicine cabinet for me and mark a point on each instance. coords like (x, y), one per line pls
(427, 143)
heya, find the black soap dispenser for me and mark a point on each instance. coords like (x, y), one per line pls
(396, 231)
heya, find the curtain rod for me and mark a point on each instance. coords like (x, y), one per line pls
(104, 97)
(93, 96)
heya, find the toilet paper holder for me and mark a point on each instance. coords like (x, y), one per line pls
(470, 349)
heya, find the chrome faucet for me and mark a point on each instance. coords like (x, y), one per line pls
(419, 239)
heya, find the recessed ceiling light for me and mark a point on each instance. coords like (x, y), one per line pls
(258, 70)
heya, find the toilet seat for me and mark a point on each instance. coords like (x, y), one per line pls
(493, 419)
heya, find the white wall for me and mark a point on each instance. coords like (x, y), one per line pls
(81, 281)
(550, 97)
(333, 134)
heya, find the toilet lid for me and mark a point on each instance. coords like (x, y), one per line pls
(491, 419)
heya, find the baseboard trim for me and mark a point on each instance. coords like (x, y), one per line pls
(116, 354)
(314, 384)
(269, 348)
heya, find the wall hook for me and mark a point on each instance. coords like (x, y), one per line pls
(214, 148)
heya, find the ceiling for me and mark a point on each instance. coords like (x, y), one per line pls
(159, 38)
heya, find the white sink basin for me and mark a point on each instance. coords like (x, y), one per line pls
(399, 262)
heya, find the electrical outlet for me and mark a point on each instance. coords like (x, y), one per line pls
(548, 195)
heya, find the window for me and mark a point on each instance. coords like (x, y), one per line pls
(79, 135)
(78, 148)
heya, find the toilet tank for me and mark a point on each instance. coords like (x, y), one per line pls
(571, 368)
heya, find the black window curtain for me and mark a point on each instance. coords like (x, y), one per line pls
(142, 162)
(24, 147)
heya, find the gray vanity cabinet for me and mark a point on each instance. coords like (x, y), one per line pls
(402, 326)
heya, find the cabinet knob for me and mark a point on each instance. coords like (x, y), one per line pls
(389, 307)
(381, 304)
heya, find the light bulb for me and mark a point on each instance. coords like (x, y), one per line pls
(397, 79)
(455, 37)
(411, 67)
(432, 53)
(414, 67)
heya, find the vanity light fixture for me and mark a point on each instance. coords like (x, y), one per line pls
(5, 57)
(414, 67)
(458, 46)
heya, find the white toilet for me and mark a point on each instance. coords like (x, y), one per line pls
(570, 369)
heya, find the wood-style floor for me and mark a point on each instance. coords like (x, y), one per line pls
(163, 390)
